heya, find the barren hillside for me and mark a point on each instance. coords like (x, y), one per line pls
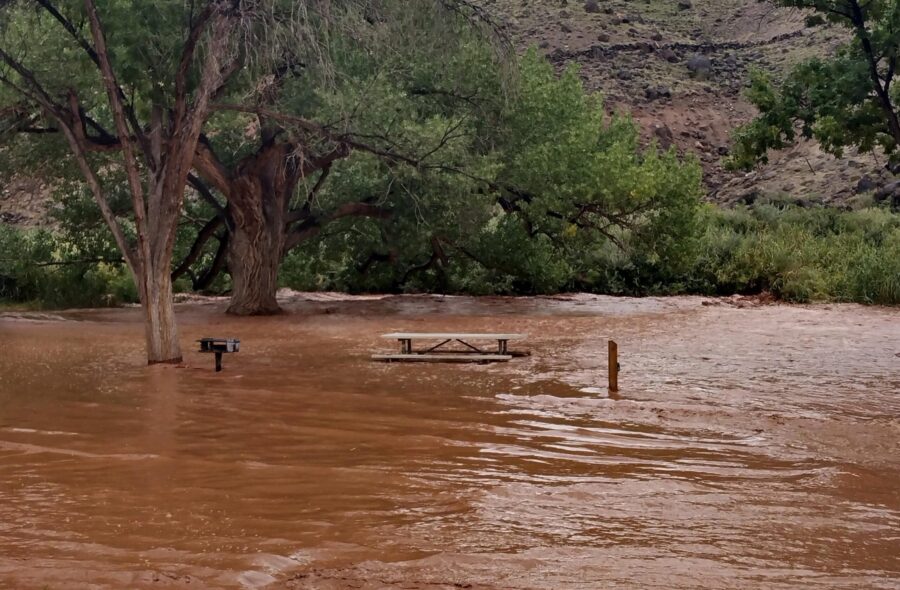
(679, 67)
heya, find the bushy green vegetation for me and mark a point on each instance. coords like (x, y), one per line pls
(75, 262)
(533, 203)
(43, 270)
(797, 254)
(800, 254)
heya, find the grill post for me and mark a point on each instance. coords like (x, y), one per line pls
(613, 367)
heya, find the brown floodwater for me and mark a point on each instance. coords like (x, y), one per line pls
(750, 446)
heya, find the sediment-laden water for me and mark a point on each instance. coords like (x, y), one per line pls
(749, 447)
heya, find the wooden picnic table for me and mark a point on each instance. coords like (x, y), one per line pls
(437, 352)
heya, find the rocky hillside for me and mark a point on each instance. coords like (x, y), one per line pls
(24, 202)
(679, 67)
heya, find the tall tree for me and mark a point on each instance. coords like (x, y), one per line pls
(546, 192)
(371, 84)
(150, 112)
(849, 99)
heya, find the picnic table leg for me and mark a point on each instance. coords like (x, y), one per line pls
(502, 346)
(405, 346)
(435, 347)
(467, 345)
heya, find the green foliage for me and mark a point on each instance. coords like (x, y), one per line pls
(77, 264)
(503, 177)
(797, 254)
(800, 254)
(535, 202)
(582, 181)
(844, 100)
(40, 268)
(506, 259)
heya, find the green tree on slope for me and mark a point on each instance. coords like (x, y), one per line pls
(849, 99)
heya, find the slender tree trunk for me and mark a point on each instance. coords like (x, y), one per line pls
(156, 158)
(155, 286)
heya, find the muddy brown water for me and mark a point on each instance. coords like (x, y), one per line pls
(753, 447)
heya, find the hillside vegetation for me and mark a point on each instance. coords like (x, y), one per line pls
(680, 69)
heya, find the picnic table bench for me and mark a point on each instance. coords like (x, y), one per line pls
(439, 353)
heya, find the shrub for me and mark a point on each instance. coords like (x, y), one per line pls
(801, 254)
(41, 269)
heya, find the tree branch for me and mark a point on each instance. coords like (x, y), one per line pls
(210, 167)
(65, 121)
(312, 225)
(187, 57)
(208, 197)
(95, 57)
(438, 258)
(303, 212)
(101, 260)
(218, 264)
(116, 104)
(207, 232)
(73, 32)
(317, 129)
(858, 19)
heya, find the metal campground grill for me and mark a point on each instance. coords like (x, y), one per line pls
(218, 347)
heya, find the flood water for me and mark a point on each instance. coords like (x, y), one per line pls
(749, 447)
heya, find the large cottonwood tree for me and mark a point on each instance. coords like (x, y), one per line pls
(383, 77)
(283, 103)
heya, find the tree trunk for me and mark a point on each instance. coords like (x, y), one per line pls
(255, 246)
(254, 255)
(155, 287)
(258, 191)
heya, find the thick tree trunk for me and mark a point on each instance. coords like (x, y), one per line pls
(256, 207)
(155, 286)
(254, 255)
(259, 192)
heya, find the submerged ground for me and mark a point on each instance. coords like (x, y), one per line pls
(750, 446)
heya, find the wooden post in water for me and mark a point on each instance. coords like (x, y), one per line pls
(613, 367)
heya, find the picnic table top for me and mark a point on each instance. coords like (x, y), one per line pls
(451, 335)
